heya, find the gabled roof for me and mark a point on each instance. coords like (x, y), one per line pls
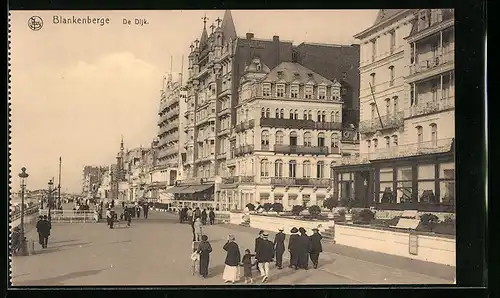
(384, 14)
(294, 72)
(203, 39)
(228, 29)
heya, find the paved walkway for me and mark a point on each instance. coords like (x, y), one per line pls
(156, 252)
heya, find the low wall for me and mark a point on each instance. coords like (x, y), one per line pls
(428, 248)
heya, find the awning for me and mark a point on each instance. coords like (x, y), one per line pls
(176, 189)
(195, 188)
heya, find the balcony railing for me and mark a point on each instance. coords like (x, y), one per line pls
(242, 150)
(431, 107)
(421, 148)
(221, 155)
(388, 122)
(223, 131)
(432, 63)
(249, 124)
(286, 181)
(230, 180)
(224, 111)
(300, 149)
(299, 124)
(173, 112)
(264, 147)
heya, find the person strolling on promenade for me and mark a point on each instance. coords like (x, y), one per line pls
(49, 228)
(204, 250)
(279, 247)
(42, 230)
(146, 210)
(211, 216)
(204, 217)
(232, 261)
(258, 240)
(266, 254)
(197, 230)
(316, 247)
(247, 264)
(110, 218)
(293, 243)
(304, 248)
(138, 211)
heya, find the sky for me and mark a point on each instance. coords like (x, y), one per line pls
(76, 88)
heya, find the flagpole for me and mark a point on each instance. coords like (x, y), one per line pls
(59, 184)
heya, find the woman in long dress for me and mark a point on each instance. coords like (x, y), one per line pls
(204, 250)
(233, 259)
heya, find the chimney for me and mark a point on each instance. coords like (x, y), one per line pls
(276, 41)
(250, 35)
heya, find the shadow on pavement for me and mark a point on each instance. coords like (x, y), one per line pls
(63, 241)
(57, 248)
(56, 281)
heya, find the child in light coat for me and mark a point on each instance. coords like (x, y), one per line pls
(198, 229)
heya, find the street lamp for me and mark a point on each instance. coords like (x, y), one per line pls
(23, 247)
(49, 198)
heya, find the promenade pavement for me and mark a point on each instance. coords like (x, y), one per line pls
(156, 252)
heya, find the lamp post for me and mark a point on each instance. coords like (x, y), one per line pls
(23, 249)
(49, 198)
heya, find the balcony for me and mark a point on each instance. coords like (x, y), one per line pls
(299, 124)
(240, 127)
(388, 122)
(224, 111)
(242, 150)
(286, 181)
(222, 155)
(435, 20)
(432, 66)
(230, 180)
(430, 107)
(206, 120)
(301, 149)
(224, 131)
(172, 113)
(415, 149)
(247, 179)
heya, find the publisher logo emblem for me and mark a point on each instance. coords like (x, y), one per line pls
(35, 23)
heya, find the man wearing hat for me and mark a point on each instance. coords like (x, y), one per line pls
(316, 247)
(293, 243)
(279, 247)
(39, 229)
(258, 240)
(265, 251)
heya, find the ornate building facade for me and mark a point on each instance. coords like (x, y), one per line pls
(406, 158)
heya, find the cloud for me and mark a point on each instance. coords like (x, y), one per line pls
(79, 112)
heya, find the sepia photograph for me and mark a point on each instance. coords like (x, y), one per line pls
(232, 147)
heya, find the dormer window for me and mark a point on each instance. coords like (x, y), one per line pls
(294, 91)
(280, 90)
(266, 89)
(322, 92)
(259, 67)
(336, 93)
(280, 74)
(308, 92)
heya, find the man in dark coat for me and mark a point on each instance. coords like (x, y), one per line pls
(146, 210)
(204, 216)
(211, 216)
(293, 244)
(181, 215)
(304, 248)
(258, 240)
(39, 230)
(49, 227)
(196, 213)
(279, 248)
(316, 247)
(127, 216)
(265, 251)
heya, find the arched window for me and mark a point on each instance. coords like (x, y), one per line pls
(323, 116)
(395, 140)
(319, 116)
(279, 137)
(293, 138)
(291, 114)
(332, 170)
(310, 115)
(387, 106)
(335, 143)
(332, 117)
(264, 138)
(264, 168)
(277, 113)
(305, 115)
(263, 113)
(292, 169)
(282, 114)
(307, 139)
(375, 143)
(321, 139)
(395, 104)
(306, 169)
(278, 168)
(420, 134)
(268, 113)
(296, 114)
(320, 169)
(387, 142)
(434, 136)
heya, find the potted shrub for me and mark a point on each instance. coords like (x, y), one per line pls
(427, 222)
(278, 207)
(250, 206)
(330, 203)
(314, 211)
(296, 209)
(267, 207)
(364, 216)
